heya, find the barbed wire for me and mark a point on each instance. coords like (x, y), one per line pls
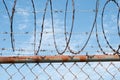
(4, 50)
(57, 11)
(15, 43)
(67, 34)
(59, 32)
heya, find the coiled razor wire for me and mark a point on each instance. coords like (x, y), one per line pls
(67, 47)
(61, 71)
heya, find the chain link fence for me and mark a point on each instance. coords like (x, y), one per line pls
(61, 71)
(35, 30)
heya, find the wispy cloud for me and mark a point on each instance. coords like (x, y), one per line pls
(47, 37)
(22, 26)
(22, 12)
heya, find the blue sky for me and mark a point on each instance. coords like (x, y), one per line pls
(84, 17)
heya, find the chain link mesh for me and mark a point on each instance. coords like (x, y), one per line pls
(61, 71)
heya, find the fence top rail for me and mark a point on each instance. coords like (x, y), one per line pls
(59, 58)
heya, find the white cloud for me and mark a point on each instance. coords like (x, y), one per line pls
(83, 69)
(47, 37)
(22, 26)
(22, 12)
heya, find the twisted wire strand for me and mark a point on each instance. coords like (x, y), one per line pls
(45, 50)
(94, 22)
(57, 11)
(50, 32)
(42, 26)
(11, 22)
(102, 23)
(34, 11)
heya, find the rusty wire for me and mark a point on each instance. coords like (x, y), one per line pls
(102, 23)
(94, 22)
(11, 22)
(34, 11)
(59, 71)
(42, 26)
(71, 33)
